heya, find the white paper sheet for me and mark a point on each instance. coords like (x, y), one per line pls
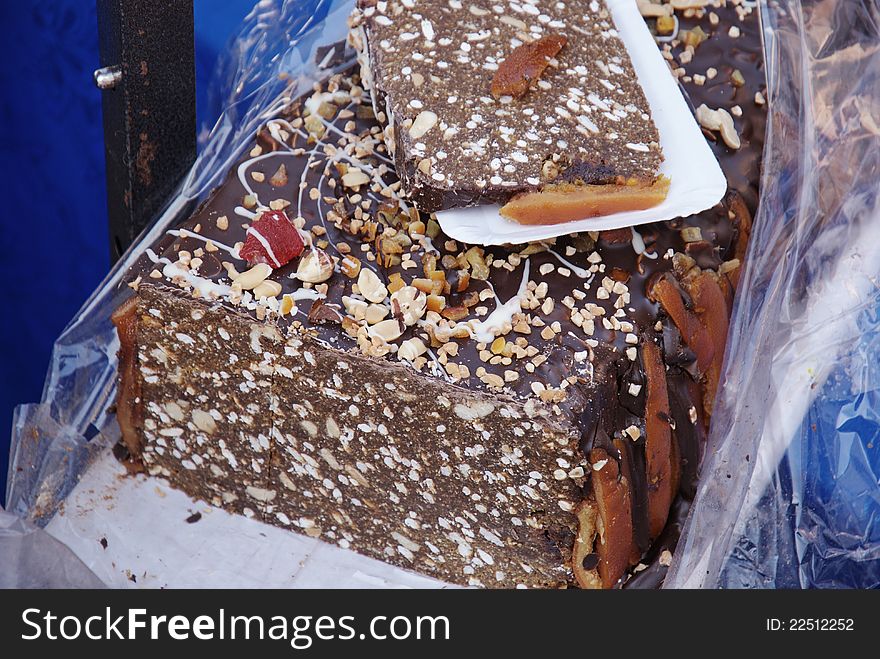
(149, 543)
(697, 180)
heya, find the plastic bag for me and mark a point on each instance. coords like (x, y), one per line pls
(281, 50)
(790, 487)
(34, 559)
(811, 256)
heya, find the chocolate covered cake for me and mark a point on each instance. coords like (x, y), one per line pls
(535, 104)
(310, 350)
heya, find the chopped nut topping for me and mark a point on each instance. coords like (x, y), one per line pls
(315, 266)
(411, 348)
(424, 122)
(279, 178)
(252, 278)
(719, 120)
(539, 329)
(388, 330)
(409, 304)
(370, 286)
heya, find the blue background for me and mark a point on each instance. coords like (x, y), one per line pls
(55, 246)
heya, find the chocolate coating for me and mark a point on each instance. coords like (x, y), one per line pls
(606, 391)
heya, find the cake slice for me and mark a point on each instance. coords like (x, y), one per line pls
(310, 350)
(534, 106)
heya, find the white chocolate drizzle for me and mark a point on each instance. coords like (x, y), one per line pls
(205, 287)
(577, 270)
(306, 294)
(638, 244)
(244, 212)
(186, 233)
(501, 319)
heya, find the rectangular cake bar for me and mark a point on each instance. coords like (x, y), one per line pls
(310, 350)
(483, 101)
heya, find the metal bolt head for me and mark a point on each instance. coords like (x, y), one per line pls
(108, 77)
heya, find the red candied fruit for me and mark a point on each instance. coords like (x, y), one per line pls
(272, 239)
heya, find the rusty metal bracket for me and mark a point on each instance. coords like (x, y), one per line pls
(147, 78)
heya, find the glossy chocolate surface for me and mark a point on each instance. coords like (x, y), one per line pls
(601, 382)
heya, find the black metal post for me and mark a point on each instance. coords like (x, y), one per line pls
(148, 81)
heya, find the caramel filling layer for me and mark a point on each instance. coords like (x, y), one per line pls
(566, 202)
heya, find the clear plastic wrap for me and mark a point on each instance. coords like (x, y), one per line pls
(789, 492)
(789, 488)
(34, 559)
(281, 50)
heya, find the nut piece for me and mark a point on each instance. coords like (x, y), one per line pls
(371, 287)
(409, 304)
(375, 313)
(476, 258)
(411, 348)
(691, 234)
(357, 309)
(524, 65)
(267, 289)
(316, 266)
(204, 421)
(350, 266)
(650, 10)
(719, 120)
(681, 5)
(387, 330)
(250, 279)
(354, 178)
(424, 122)
(279, 178)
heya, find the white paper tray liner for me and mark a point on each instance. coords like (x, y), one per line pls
(143, 521)
(697, 182)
